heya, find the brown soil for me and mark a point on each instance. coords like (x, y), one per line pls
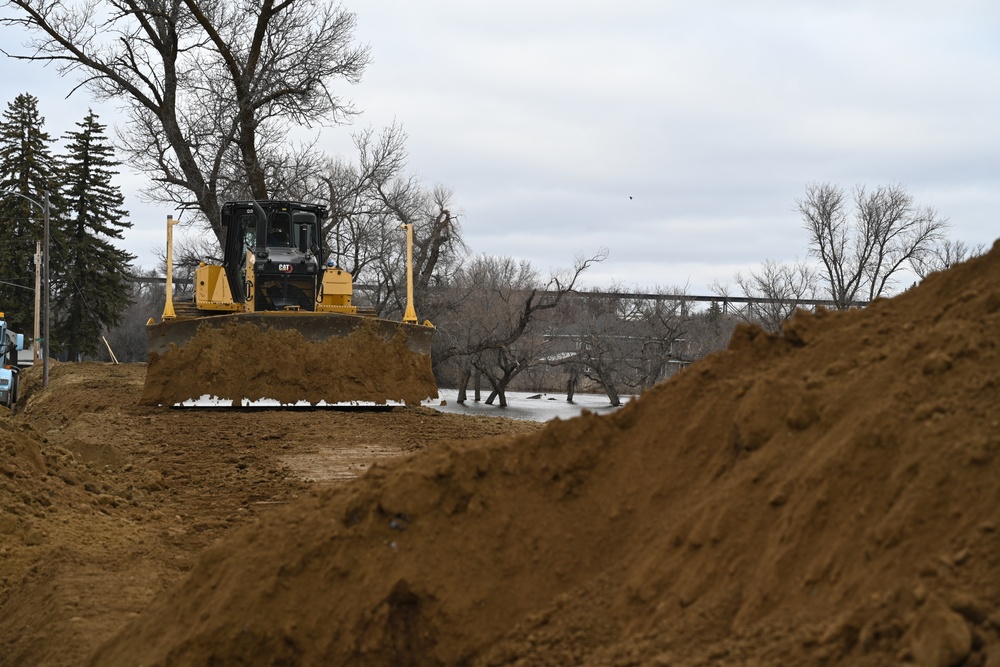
(825, 497)
(105, 504)
(241, 360)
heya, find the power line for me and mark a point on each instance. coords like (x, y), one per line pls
(25, 241)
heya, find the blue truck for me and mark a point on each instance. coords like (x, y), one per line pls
(10, 344)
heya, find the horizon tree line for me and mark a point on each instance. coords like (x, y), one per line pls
(211, 94)
(492, 312)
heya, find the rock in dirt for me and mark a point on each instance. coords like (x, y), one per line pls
(941, 637)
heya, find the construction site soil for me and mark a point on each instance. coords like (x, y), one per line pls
(281, 364)
(830, 496)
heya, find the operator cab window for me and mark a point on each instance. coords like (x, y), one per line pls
(248, 223)
(278, 230)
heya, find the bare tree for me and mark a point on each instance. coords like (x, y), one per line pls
(776, 287)
(358, 217)
(664, 326)
(601, 345)
(625, 343)
(210, 88)
(708, 331)
(496, 320)
(437, 248)
(944, 255)
(369, 202)
(863, 252)
(189, 253)
(485, 301)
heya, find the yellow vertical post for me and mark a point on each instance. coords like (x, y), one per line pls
(168, 306)
(250, 278)
(411, 313)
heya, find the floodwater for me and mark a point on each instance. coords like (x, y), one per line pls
(524, 405)
(520, 405)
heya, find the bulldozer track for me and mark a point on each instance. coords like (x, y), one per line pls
(186, 309)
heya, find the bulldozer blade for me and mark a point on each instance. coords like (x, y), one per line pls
(290, 358)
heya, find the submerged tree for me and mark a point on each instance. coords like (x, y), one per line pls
(624, 342)
(496, 321)
(95, 273)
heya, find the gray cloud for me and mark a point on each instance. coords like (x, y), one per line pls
(544, 118)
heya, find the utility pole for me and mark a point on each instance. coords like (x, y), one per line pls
(45, 276)
(38, 299)
(48, 290)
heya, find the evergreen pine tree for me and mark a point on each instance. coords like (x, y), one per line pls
(95, 291)
(27, 167)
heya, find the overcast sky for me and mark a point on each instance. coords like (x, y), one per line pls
(678, 135)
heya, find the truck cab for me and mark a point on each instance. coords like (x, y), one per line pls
(10, 344)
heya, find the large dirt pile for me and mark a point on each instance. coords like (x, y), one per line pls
(106, 504)
(371, 363)
(825, 497)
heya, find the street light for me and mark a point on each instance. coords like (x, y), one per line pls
(45, 263)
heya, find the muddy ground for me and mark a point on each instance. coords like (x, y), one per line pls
(281, 359)
(827, 496)
(105, 504)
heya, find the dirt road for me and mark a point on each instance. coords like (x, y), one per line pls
(104, 504)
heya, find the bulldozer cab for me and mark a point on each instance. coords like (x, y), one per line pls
(284, 240)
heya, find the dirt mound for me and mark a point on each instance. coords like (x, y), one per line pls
(105, 504)
(242, 360)
(825, 497)
(65, 521)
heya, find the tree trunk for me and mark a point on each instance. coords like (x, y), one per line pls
(251, 160)
(612, 392)
(498, 386)
(497, 393)
(613, 395)
(463, 383)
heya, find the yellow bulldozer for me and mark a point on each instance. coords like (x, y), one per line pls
(276, 322)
